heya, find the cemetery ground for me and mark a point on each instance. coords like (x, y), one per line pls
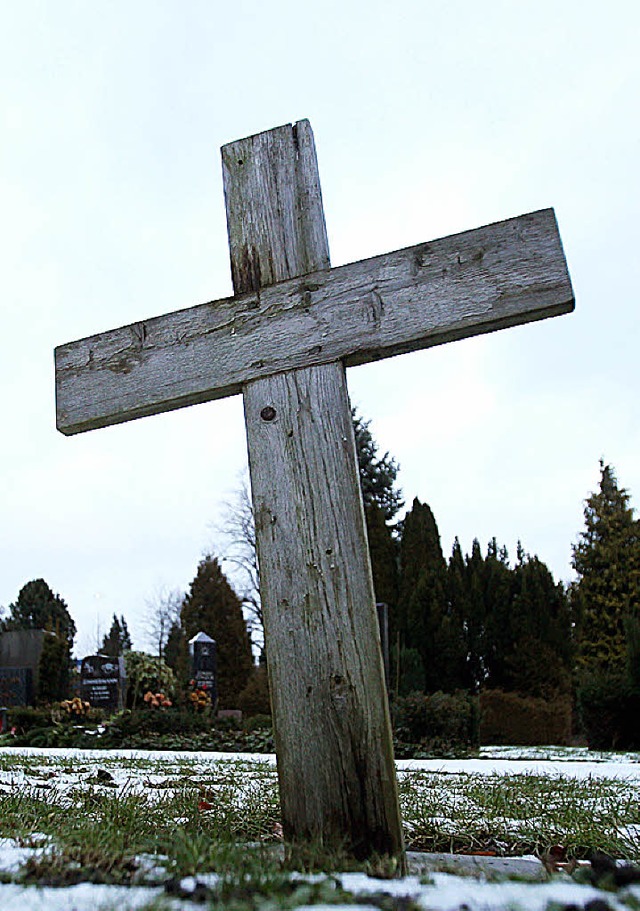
(122, 829)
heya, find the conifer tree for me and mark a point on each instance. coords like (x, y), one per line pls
(476, 620)
(212, 607)
(36, 607)
(377, 474)
(607, 561)
(117, 641)
(470, 621)
(541, 655)
(497, 593)
(176, 652)
(53, 670)
(383, 550)
(426, 621)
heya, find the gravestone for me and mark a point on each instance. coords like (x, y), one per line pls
(20, 652)
(16, 686)
(283, 341)
(103, 682)
(203, 652)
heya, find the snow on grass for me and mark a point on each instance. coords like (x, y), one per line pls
(513, 790)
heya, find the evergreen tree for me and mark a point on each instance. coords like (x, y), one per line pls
(475, 621)
(377, 474)
(469, 612)
(36, 607)
(497, 594)
(176, 653)
(383, 550)
(117, 641)
(607, 561)
(426, 621)
(212, 607)
(541, 656)
(53, 670)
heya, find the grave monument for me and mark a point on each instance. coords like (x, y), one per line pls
(203, 654)
(20, 652)
(103, 682)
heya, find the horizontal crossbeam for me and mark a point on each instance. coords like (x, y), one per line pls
(467, 284)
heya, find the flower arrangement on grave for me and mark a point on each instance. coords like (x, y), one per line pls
(157, 700)
(75, 706)
(199, 696)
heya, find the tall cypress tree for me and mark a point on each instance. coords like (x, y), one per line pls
(383, 550)
(540, 660)
(607, 561)
(497, 593)
(212, 607)
(426, 620)
(469, 621)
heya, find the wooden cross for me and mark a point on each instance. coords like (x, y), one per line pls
(284, 340)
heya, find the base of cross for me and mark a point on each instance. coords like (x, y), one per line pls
(284, 340)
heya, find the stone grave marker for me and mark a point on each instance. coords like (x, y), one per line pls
(16, 686)
(283, 341)
(103, 681)
(20, 652)
(203, 652)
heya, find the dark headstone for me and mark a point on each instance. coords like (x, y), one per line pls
(16, 686)
(21, 649)
(203, 651)
(102, 681)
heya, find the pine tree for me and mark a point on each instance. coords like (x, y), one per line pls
(36, 607)
(117, 641)
(607, 561)
(377, 474)
(212, 607)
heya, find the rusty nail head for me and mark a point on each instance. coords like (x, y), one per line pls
(268, 413)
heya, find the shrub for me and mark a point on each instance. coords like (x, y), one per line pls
(609, 710)
(147, 721)
(23, 718)
(437, 724)
(257, 723)
(255, 699)
(511, 718)
(146, 673)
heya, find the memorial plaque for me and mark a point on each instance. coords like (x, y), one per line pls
(102, 681)
(203, 651)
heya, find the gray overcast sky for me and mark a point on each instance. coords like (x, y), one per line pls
(429, 118)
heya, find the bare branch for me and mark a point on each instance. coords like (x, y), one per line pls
(237, 529)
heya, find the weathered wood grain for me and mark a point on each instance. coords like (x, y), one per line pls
(331, 724)
(479, 281)
(331, 720)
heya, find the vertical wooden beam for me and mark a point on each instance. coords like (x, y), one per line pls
(331, 720)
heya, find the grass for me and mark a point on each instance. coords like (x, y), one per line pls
(520, 814)
(146, 821)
